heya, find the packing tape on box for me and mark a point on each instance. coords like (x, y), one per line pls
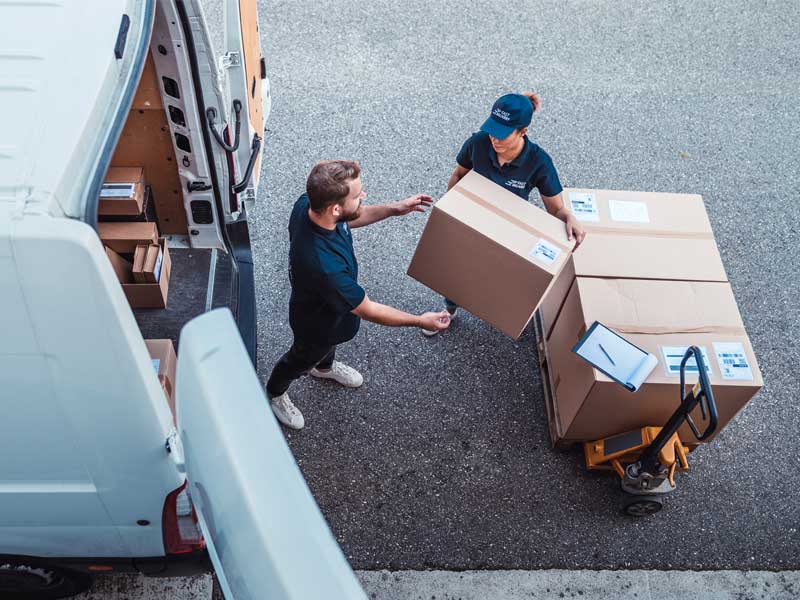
(665, 330)
(697, 235)
(510, 218)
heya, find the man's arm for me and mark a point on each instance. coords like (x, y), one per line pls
(456, 176)
(555, 206)
(392, 317)
(378, 212)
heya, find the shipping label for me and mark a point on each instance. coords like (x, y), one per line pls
(156, 364)
(584, 206)
(628, 212)
(732, 361)
(673, 355)
(545, 252)
(117, 190)
(159, 262)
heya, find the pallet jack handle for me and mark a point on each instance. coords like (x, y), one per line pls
(702, 391)
(700, 394)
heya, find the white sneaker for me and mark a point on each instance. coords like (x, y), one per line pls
(340, 373)
(287, 413)
(433, 333)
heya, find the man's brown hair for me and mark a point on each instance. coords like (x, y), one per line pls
(329, 182)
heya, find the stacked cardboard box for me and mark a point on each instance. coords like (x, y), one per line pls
(649, 269)
(140, 258)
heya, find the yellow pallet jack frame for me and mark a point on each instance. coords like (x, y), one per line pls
(646, 459)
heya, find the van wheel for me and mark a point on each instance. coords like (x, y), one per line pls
(34, 580)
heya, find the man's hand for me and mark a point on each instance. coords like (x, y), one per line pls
(433, 321)
(535, 99)
(416, 203)
(574, 229)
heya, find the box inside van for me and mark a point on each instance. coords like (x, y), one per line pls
(136, 435)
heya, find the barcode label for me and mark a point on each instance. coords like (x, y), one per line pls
(545, 252)
(732, 361)
(673, 355)
(584, 206)
(117, 190)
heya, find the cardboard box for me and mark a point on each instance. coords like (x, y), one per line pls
(122, 268)
(162, 353)
(491, 252)
(153, 262)
(640, 235)
(139, 256)
(654, 315)
(152, 295)
(122, 192)
(124, 237)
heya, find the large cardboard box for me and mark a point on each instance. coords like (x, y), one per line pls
(662, 317)
(122, 192)
(124, 237)
(491, 252)
(639, 235)
(162, 354)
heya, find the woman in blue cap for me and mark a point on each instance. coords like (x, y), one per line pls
(502, 152)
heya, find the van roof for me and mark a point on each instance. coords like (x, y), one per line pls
(62, 93)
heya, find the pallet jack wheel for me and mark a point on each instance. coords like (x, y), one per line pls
(642, 506)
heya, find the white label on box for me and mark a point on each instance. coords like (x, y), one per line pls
(628, 212)
(156, 364)
(545, 252)
(732, 361)
(118, 190)
(584, 206)
(159, 261)
(673, 355)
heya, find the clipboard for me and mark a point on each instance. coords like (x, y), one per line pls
(611, 354)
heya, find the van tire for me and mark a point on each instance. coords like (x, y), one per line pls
(31, 579)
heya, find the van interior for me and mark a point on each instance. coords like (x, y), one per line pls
(163, 159)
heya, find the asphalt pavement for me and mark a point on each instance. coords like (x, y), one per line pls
(441, 460)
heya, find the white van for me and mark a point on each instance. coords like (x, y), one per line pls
(97, 474)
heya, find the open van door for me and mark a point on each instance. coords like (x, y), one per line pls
(265, 534)
(248, 81)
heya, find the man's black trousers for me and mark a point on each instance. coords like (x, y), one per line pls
(298, 361)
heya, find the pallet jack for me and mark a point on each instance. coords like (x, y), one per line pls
(646, 459)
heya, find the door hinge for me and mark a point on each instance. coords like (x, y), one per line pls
(230, 59)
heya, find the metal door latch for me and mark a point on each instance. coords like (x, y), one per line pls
(230, 59)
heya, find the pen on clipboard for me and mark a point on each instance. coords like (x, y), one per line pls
(607, 355)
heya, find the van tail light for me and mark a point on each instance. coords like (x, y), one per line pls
(179, 524)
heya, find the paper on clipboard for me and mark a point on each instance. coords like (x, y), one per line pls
(615, 356)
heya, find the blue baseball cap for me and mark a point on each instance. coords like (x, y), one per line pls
(509, 113)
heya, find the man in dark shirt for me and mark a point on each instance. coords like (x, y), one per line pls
(502, 152)
(327, 304)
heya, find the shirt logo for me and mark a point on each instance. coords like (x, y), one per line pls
(501, 114)
(520, 185)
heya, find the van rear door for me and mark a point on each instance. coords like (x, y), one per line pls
(265, 534)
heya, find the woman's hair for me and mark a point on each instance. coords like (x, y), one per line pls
(329, 182)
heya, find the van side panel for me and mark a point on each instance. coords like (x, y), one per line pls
(85, 418)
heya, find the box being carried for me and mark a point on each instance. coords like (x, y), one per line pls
(663, 318)
(639, 235)
(490, 252)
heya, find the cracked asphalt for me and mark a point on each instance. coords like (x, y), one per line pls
(442, 460)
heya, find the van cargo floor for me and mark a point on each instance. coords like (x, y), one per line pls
(188, 292)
